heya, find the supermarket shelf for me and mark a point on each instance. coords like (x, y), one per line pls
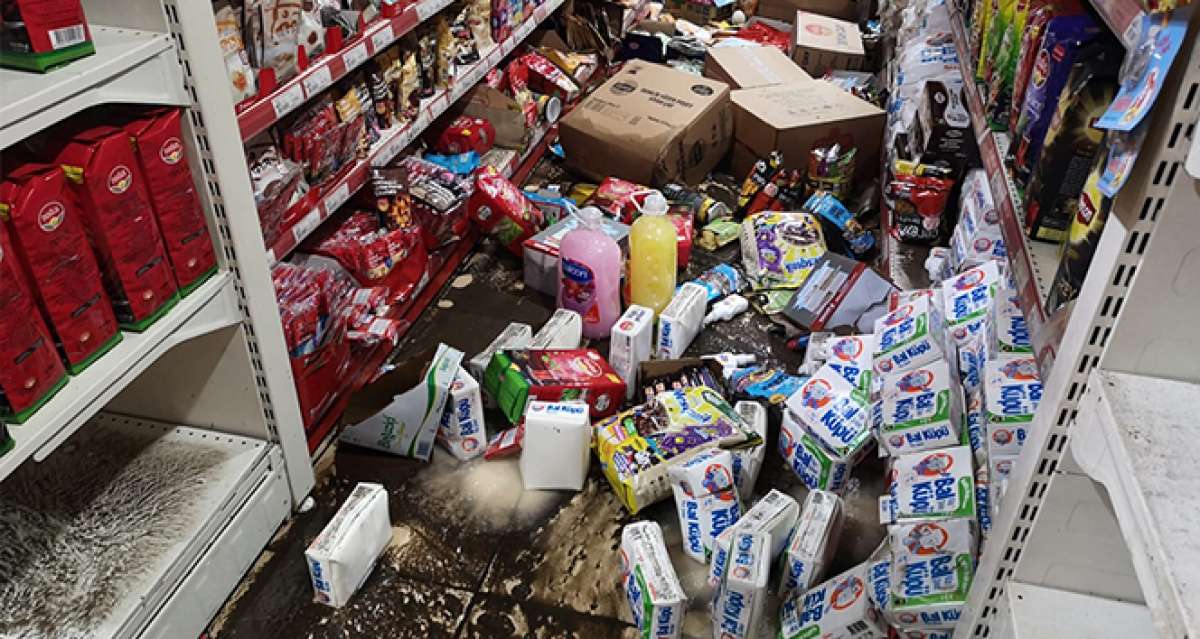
(210, 307)
(1036, 612)
(1137, 438)
(1033, 263)
(247, 479)
(129, 66)
(398, 138)
(261, 113)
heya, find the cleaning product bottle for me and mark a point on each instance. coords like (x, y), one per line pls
(589, 274)
(652, 248)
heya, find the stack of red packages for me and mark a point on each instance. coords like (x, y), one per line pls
(502, 210)
(30, 370)
(373, 254)
(120, 224)
(46, 231)
(546, 78)
(321, 143)
(158, 139)
(429, 194)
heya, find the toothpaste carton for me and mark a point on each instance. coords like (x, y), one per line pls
(1012, 333)
(706, 499)
(462, 430)
(922, 409)
(813, 464)
(630, 344)
(556, 447)
(564, 329)
(834, 412)
(656, 598)
(907, 337)
(1011, 393)
(739, 604)
(680, 321)
(932, 566)
(774, 515)
(812, 544)
(968, 300)
(840, 607)
(514, 336)
(342, 556)
(747, 462)
(931, 485)
(851, 358)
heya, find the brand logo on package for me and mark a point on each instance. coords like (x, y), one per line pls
(171, 151)
(846, 593)
(968, 280)
(51, 216)
(119, 179)
(847, 350)
(934, 465)
(819, 30)
(816, 394)
(915, 381)
(926, 539)
(700, 89)
(1021, 369)
(624, 87)
(898, 315)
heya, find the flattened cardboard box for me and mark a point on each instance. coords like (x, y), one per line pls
(822, 43)
(794, 119)
(650, 124)
(753, 66)
(786, 9)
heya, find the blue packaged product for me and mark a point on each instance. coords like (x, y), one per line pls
(721, 280)
(758, 382)
(829, 207)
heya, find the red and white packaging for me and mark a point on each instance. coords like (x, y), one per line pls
(464, 134)
(49, 243)
(158, 141)
(506, 443)
(30, 370)
(502, 210)
(683, 237)
(120, 223)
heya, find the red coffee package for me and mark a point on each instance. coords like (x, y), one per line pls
(120, 224)
(46, 231)
(158, 141)
(502, 210)
(30, 371)
(42, 34)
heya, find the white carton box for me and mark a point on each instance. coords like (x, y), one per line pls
(931, 485)
(747, 462)
(970, 250)
(462, 430)
(630, 344)
(974, 421)
(774, 515)
(851, 357)
(932, 566)
(680, 321)
(706, 499)
(908, 336)
(999, 468)
(409, 425)
(557, 446)
(656, 598)
(342, 556)
(739, 604)
(840, 607)
(514, 336)
(973, 352)
(812, 544)
(564, 329)
(1011, 393)
(1012, 333)
(834, 412)
(813, 464)
(922, 409)
(968, 299)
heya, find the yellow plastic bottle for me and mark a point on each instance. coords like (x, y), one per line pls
(652, 258)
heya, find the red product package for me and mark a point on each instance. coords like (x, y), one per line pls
(683, 236)
(916, 204)
(465, 134)
(762, 33)
(502, 210)
(40, 34)
(546, 78)
(506, 443)
(615, 197)
(30, 370)
(46, 231)
(158, 139)
(120, 224)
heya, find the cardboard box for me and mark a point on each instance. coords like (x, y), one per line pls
(1012, 390)
(650, 124)
(341, 558)
(932, 566)
(656, 598)
(785, 10)
(564, 329)
(821, 44)
(747, 462)
(498, 108)
(795, 118)
(746, 67)
(774, 515)
(834, 412)
(699, 11)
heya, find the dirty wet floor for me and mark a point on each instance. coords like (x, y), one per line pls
(475, 556)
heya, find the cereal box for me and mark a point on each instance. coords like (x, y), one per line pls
(922, 409)
(834, 412)
(932, 566)
(813, 464)
(1011, 392)
(747, 462)
(840, 607)
(739, 604)
(706, 499)
(932, 485)
(812, 544)
(851, 357)
(907, 337)
(462, 430)
(968, 300)
(656, 598)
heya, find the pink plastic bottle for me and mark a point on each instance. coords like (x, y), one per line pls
(589, 274)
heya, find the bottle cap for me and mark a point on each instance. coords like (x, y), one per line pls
(654, 204)
(590, 217)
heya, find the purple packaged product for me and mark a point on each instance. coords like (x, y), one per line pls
(1065, 35)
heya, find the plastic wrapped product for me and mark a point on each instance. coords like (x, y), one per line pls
(780, 249)
(242, 83)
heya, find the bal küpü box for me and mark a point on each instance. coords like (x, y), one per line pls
(929, 486)
(739, 604)
(774, 515)
(812, 544)
(824, 44)
(681, 321)
(555, 451)
(932, 566)
(908, 337)
(342, 556)
(809, 460)
(747, 462)
(630, 344)
(564, 329)
(968, 299)
(462, 430)
(746, 67)
(835, 413)
(1012, 390)
(839, 607)
(922, 409)
(649, 124)
(656, 598)
(1012, 333)
(851, 357)
(706, 499)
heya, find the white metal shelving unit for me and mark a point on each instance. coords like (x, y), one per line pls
(1135, 313)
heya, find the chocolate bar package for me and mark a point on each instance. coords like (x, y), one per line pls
(1091, 212)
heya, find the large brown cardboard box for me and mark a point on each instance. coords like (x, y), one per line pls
(786, 9)
(820, 43)
(794, 119)
(754, 66)
(649, 124)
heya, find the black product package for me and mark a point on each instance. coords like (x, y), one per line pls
(1086, 228)
(942, 132)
